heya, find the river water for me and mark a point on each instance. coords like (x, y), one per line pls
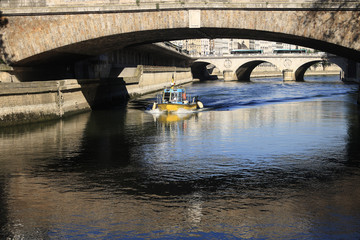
(263, 160)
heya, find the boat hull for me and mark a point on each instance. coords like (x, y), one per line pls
(173, 107)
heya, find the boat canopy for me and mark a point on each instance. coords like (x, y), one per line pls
(174, 95)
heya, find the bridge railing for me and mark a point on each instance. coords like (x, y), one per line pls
(318, 54)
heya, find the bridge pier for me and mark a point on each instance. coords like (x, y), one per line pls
(229, 75)
(352, 73)
(288, 75)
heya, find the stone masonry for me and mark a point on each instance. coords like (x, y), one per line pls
(60, 29)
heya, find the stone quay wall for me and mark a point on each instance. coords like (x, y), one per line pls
(26, 102)
(152, 79)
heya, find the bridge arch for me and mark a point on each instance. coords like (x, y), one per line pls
(244, 71)
(200, 71)
(35, 39)
(300, 71)
(292, 66)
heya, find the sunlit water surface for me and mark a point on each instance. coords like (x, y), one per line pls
(263, 160)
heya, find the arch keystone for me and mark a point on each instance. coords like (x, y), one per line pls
(194, 18)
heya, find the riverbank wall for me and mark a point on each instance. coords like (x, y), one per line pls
(147, 79)
(26, 102)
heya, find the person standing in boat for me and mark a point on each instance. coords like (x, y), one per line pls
(172, 81)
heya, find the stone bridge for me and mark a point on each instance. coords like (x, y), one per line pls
(293, 66)
(50, 34)
(43, 32)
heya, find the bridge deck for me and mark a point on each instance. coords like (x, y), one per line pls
(11, 7)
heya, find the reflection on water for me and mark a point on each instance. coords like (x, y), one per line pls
(168, 118)
(283, 170)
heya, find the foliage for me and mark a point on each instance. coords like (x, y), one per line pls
(3, 23)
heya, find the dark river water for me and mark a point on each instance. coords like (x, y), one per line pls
(263, 160)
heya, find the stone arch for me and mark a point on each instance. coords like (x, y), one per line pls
(300, 71)
(200, 71)
(37, 39)
(244, 71)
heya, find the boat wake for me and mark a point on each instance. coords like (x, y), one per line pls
(154, 111)
(180, 111)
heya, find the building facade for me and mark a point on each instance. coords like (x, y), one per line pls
(220, 46)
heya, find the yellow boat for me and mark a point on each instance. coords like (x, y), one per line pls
(173, 107)
(173, 99)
